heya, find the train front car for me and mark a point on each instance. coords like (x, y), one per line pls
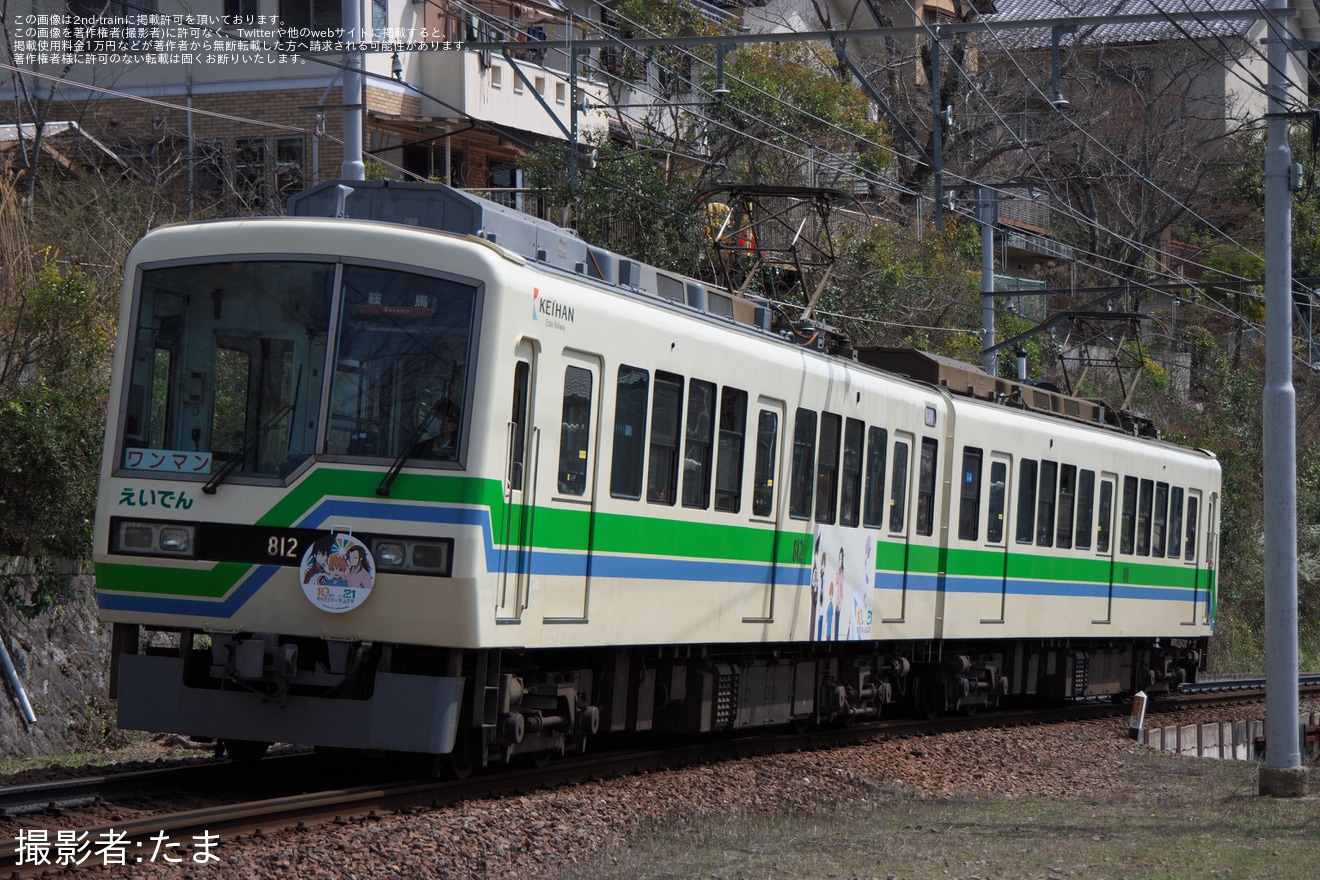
(269, 576)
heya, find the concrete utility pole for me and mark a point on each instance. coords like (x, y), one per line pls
(352, 167)
(1282, 774)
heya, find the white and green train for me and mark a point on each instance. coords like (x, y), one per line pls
(406, 470)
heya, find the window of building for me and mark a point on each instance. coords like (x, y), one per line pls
(240, 12)
(314, 16)
(209, 179)
(250, 173)
(289, 177)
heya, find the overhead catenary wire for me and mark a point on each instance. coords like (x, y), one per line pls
(303, 129)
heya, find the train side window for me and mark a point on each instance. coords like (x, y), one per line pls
(1143, 517)
(666, 423)
(700, 438)
(1105, 517)
(804, 463)
(850, 494)
(1085, 507)
(877, 448)
(1175, 521)
(1049, 475)
(1127, 525)
(518, 424)
(827, 467)
(1193, 503)
(898, 488)
(629, 433)
(994, 529)
(767, 442)
(926, 487)
(729, 468)
(1161, 516)
(1067, 499)
(969, 495)
(1026, 501)
(575, 431)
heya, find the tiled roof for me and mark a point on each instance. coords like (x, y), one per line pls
(1207, 23)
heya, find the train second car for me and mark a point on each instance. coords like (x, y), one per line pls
(410, 471)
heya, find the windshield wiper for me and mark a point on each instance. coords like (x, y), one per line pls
(409, 444)
(233, 463)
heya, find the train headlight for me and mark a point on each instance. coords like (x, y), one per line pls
(390, 554)
(134, 536)
(175, 540)
(148, 538)
(406, 556)
(431, 556)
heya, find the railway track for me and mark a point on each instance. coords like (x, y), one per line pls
(47, 814)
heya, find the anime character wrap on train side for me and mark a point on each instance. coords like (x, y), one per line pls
(407, 470)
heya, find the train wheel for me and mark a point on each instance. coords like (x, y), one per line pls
(453, 766)
(540, 759)
(926, 699)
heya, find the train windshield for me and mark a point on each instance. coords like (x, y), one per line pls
(227, 371)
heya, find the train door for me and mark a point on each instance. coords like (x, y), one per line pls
(765, 483)
(995, 517)
(1194, 558)
(898, 525)
(567, 592)
(1105, 511)
(522, 465)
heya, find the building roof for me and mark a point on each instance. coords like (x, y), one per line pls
(11, 136)
(1208, 22)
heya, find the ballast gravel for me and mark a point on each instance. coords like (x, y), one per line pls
(545, 833)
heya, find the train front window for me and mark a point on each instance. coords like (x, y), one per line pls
(225, 367)
(400, 366)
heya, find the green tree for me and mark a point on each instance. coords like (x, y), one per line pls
(56, 329)
(787, 119)
(638, 203)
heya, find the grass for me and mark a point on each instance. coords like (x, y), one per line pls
(1177, 818)
(137, 747)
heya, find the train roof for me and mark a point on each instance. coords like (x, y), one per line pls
(442, 208)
